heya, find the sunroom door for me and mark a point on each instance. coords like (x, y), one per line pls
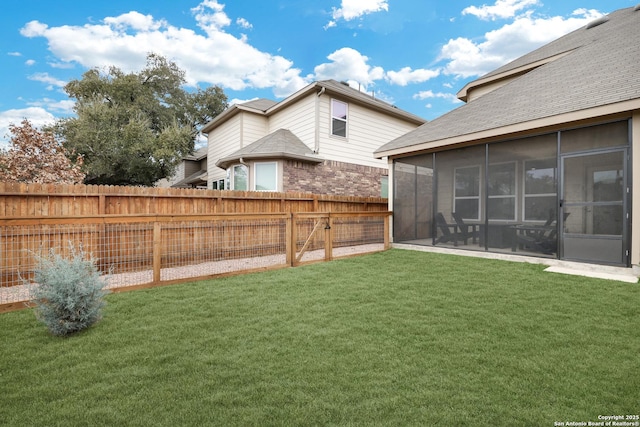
(594, 210)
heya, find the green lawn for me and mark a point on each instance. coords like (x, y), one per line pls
(394, 338)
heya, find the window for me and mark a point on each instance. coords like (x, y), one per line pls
(218, 185)
(502, 192)
(240, 178)
(266, 176)
(338, 118)
(540, 182)
(467, 192)
(384, 187)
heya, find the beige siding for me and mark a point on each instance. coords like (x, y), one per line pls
(299, 118)
(254, 127)
(367, 131)
(223, 141)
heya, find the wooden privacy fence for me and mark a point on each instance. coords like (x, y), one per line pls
(36, 200)
(136, 251)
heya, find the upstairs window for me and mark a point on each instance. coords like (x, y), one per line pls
(338, 118)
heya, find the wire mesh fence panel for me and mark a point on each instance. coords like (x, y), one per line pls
(328, 236)
(357, 235)
(310, 238)
(357, 231)
(22, 246)
(126, 253)
(205, 248)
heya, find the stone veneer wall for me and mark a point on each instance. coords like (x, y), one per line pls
(332, 177)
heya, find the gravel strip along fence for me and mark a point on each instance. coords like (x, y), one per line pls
(21, 293)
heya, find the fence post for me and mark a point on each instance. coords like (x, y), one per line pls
(386, 232)
(328, 239)
(290, 237)
(157, 251)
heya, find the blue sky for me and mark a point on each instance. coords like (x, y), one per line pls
(415, 54)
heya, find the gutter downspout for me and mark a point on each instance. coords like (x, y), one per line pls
(316, 145)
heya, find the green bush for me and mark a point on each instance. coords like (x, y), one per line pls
(69, 292)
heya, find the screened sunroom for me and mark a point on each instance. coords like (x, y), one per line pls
(563, 194)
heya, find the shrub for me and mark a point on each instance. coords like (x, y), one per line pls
(69, 292)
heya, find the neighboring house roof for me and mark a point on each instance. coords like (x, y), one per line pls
(198, 155)
(267, 107)
(595, 66)
(282, 144)
(260, 104)
(199, 177)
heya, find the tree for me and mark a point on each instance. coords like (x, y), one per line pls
(133, 129)
(35, 156)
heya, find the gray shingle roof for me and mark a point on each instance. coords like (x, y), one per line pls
(261, 104)
(602, 67)
(281, 144)
(199, 177)
(198, 155)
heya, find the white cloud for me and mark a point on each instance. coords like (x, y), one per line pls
(501, 9)
(212, 57)
(467, 58)
(65, 106)
(353, 9)
(243, 23)
(211, 17)
(236, 101)
(14, 54)
(330, 24)
(429, 94)
(46, 78)
(406, 76)
(349, 64)
(61, 65)
(29, 62)
(36, 115)
(135, 21)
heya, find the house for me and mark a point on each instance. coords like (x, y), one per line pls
(191, 172)
(319, 140)
(542, 159)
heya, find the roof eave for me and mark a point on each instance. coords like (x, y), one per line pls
(224, 163)
(624, 108)
(227, 114)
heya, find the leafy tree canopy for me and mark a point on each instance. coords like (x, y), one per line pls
(133, 129)
(35, 156)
